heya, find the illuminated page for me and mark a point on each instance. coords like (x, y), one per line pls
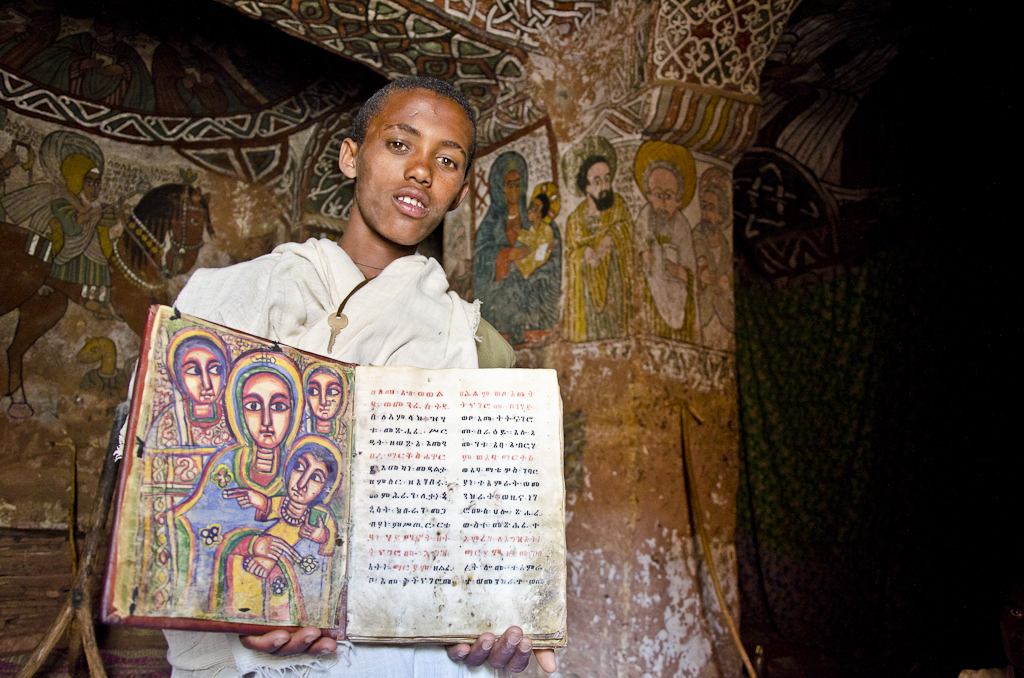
(457, 512)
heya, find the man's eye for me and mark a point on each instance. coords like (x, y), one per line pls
(215, 368)
(313, 391)
(333, 391)
(253, 406)
(448, 162)
(280, 406)
(1016, 613)
(397, 145)
(191, 369)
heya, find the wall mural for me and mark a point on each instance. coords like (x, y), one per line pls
(804, 205)
(517, 256)
(718, 44)
(633, 241)
(62, 242)
(481, 47)
(129, 156)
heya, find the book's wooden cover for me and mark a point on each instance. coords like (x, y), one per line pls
(232, 502)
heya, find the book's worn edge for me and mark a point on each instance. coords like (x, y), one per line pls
(194, 624)
(108, 613)
(539, 642)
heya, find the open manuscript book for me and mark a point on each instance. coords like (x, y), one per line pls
(263, 486)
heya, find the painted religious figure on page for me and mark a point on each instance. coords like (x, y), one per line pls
(244, 493)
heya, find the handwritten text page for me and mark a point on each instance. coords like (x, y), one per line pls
(457, 504)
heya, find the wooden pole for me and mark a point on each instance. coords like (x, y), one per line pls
(79, 602)
(690, 476)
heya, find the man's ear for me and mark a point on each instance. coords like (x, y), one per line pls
(347, 158)
(462, 196)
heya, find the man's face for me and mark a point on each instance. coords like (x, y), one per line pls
(324, 394)
(599, 185)
(202, 374)
(307, 479)
(1012, 626)
(663, 189)
(411, 167)
(267, 409)
(91, 186)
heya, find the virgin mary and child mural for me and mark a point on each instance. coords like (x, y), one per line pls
(249, 474)
(517, 257)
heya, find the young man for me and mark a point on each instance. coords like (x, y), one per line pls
(1011, 624)
(410, 152)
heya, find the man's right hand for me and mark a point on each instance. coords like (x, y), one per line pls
(283, 642)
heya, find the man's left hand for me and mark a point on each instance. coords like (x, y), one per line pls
(511, 651)
(284, 642)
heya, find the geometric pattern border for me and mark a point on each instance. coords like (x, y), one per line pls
(721, 44)
(251, 164)
(270, 123)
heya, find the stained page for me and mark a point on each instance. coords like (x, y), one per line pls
(233, 498)
(457, 516)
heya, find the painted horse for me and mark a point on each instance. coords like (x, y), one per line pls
(161, 239)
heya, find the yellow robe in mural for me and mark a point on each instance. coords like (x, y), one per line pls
(599, 297)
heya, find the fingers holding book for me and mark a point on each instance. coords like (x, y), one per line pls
(309, 640)
(511, 651)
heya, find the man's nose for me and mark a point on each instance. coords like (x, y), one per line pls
(206, 380)
(419, 168)
(265, 418)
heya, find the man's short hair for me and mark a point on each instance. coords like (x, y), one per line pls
(669, 167)
(372, 108)
(581, 176)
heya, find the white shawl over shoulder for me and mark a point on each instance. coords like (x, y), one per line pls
(404, 316)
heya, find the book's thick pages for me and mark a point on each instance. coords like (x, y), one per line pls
(263, 486)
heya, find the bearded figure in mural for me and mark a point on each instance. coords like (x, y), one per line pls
(516, 257)
(66, 212)
(97, 65)
(666, 175)
(598, 247)
(713, 246)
